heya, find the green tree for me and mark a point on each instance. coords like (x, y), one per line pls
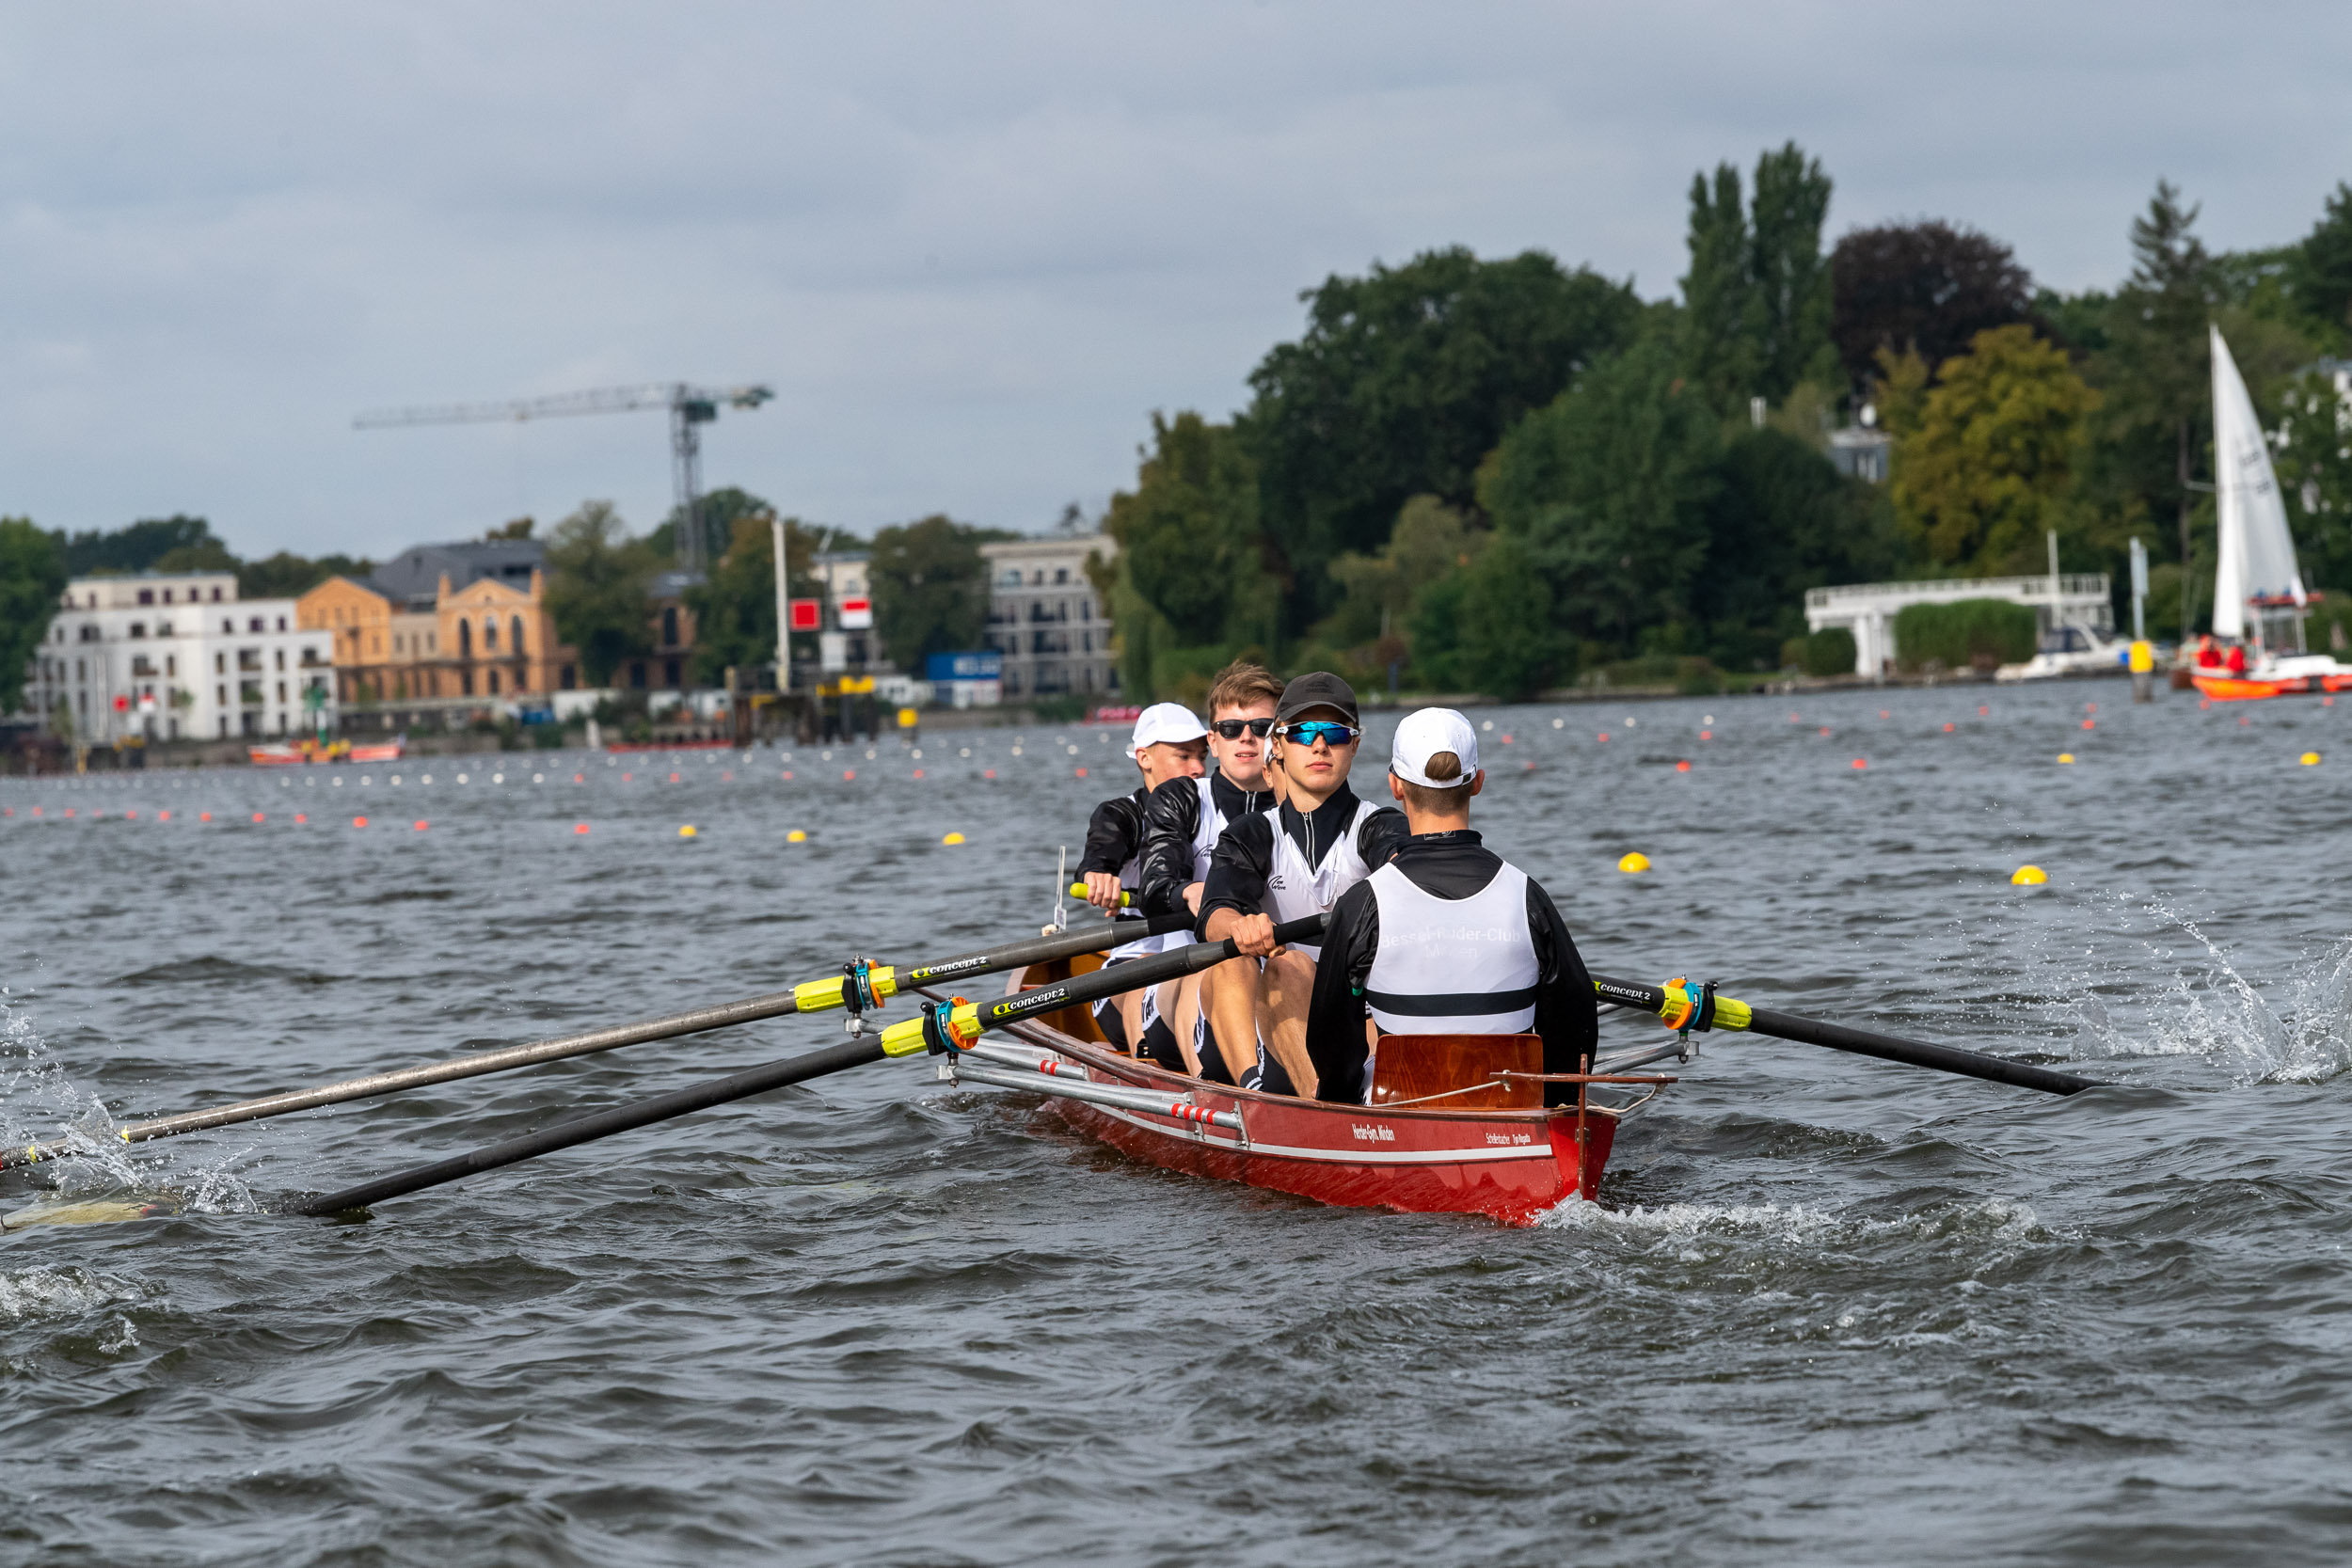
(1723, 319)
(1756, 301)
(1609, 486)
(734, 609)
(2313, 453)
(32, 576)
(1430, 540)
(719, 511)
(931, 588)
(1791, 276)
(138, 546)
(1509, 647)
(2320, 274)
(1783, 520)
(287, 575)
(598, 585)
(1403, 381)
(2156, 371)
(1189, 545)
(1991, 464)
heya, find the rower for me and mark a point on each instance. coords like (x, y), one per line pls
(1168, 743)
(1286, 864)
(1447, 937)
(1182, 823)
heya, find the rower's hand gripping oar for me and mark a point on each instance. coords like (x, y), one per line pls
(946, 1026)
(1685, 1006)
(956, 1023)
(869, 985)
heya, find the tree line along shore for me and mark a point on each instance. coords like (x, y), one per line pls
(1511, 475)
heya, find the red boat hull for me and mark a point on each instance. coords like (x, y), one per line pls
(1510, 1166)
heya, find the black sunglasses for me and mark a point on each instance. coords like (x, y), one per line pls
(1229, 729)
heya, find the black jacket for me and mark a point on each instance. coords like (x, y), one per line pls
(1243, 858)
(1171, 817)
(1445, 865)
(1114, 834)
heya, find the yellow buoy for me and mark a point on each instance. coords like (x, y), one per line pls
(1633, 861)
(952, 838)
(2029, 876)
(2311, 759)
(2066, 756)
(687, 831)
(796, 837)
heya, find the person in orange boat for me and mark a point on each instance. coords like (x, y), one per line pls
(2235, 662)
(2208, 653)
(1447, 937)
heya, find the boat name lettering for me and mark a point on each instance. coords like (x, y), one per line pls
(1506, 1140)
(1375, 1134)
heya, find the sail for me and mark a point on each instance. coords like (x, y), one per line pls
(2257, 554)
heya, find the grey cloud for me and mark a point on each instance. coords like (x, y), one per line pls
(972, 247)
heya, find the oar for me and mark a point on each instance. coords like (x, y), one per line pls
(907, 1038)
(1686, 1005)
(812, 996)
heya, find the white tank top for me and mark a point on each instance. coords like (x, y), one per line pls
(1210, 825)
(1295, 890)
(1453, 966)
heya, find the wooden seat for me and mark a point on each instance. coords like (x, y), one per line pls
(1078, 1021)
(1414, 1067)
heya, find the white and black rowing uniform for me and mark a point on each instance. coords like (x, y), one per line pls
(1448, 938)
(1183, 820)
(1289, 864)
(1114, 844)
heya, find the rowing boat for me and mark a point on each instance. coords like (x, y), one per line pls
(1510, 1158)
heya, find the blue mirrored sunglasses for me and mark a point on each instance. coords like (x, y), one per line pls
(1316, 730)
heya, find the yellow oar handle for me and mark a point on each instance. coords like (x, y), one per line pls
(815, 996)
(1126, 899)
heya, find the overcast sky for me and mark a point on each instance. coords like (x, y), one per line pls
(971, 246)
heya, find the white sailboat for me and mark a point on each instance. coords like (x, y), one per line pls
(2258, 594)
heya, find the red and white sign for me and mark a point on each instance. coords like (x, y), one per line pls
(808, 614)
(857, 614)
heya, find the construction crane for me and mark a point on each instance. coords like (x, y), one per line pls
(690, 407)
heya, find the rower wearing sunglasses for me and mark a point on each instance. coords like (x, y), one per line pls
(1182, 822)
(1289, 864)
(1166, 744)
(1447, 937)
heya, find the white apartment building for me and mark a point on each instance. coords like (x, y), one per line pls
(1044, 619)
(179, 656)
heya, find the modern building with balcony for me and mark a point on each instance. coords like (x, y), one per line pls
(1043, 618)
(178, 656)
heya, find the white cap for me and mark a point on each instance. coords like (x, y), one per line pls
(1165, 721)
(1422, 734)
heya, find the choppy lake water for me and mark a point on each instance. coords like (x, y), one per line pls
(1828, 1310)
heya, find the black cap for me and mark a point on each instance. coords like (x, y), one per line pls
(1319, 689)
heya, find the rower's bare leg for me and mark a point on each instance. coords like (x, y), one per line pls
(1184, 1015)
(1130, 1005)
(1290, 980)
(1230, 992)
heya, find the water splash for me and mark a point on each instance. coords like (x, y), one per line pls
(41, 1102)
